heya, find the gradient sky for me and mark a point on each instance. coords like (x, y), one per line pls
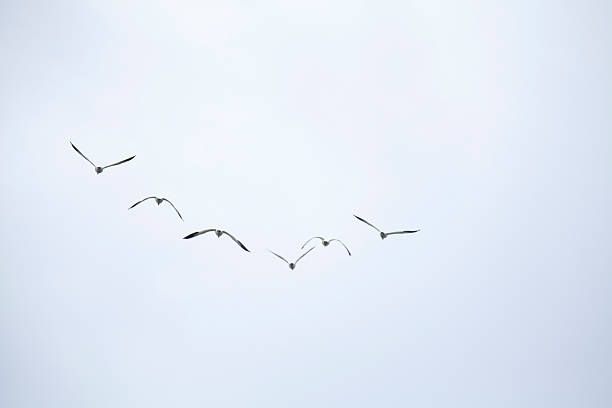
(486, 124)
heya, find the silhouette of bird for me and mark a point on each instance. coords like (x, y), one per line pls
(158, 201)
(292, 264)
(384, 235)
(326, 242)
(98, 168)
(219, 233)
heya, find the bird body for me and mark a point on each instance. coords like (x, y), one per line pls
(382, 234)
(218, 232)
(98, 168)
(326, 242)
(292, 264)
(158, 200)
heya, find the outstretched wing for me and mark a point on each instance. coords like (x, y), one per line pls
(303, 255)
(362, 220)
(236, 241)
(119, 162)
(195, 234)
(144, 199)
(82, 155)
(403, 232)
(321, 238)
(347, 250)
(274, 253)
(177, 211)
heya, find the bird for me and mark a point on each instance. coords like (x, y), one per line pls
(98, 168)
(292, 264)
(326, 242)
(158, 201)
(384, 235)
(219, 233)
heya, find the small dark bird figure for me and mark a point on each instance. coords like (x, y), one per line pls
(98, 168)
(326, 242)
(158, 201)
(384, 235)
(292, 264)
(218, 233)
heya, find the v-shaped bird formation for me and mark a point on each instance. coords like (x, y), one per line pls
(219, 232)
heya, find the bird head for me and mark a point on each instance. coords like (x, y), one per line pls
(159, 200)
(325, 243)
(99, 170)
(291, 266)
(383, 235)
(219, 233)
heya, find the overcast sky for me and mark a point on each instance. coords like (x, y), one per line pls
(485, 124)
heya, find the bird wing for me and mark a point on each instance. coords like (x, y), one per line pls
(119, 162)
(303, 255)
(347, 250)
(403, 232)
(195, 234)
(362, 220)
(82, 155)
(274, 253)
(236, 241)
(177, 211)
(321, 238)
(144, 199)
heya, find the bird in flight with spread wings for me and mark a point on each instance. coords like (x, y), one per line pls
(158, 201)
(384, 235)
(326, 242)
(98, 168)
(292, 264)
(219, 233)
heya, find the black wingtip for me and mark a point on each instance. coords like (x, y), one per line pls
(193, 234)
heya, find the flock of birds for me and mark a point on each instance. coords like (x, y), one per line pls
(325, 242)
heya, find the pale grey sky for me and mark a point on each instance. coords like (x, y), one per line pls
(486, 124)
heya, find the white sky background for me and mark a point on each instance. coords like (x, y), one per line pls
(486, 125)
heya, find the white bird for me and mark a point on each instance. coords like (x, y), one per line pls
(384, 235)
(292, 264)
(219, 233)
(326, 242)
(158, 201)
(98, 168)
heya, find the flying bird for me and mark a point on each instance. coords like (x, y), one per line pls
(219, 233)
(326, 242)
(98, 168)
(158, 201)
(292, 264)
(384, 235)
